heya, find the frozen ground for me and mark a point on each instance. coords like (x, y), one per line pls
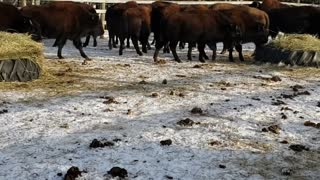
(44, 133)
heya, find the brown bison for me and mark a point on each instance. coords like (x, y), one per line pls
(12, 20)
(303, 19)
(267, 5)
(114, 18)
(254, 25)
(195, 27)
(96, 31)
(62, 21)
(135, 25)
(161, 11)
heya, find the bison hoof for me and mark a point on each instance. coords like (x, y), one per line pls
(61, 57)
(178, 60)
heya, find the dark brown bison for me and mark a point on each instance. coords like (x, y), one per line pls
(62, 21)
(161, 11)
(195, 27)
(114, 18)
(267, 5)
(254, 25)
(96, 31)
(301, 20)
(136, 24)
(12, 20)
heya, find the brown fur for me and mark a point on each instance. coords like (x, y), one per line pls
(194, 27)
(11, 19)
(136, 25)
(62, 21)
(114, 17)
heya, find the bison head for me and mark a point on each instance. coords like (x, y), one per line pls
(233, 31)
(94, 19)
(262, 34)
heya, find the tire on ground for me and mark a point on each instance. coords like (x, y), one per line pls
(272, 54)
(21, 70)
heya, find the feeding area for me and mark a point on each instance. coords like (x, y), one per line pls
(133, 116)
(172, 120)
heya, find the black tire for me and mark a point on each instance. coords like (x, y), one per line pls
(272, 54)
(21, 70)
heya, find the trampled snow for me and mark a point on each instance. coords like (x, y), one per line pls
(42, 136)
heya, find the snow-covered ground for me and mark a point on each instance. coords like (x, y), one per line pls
(246, 127)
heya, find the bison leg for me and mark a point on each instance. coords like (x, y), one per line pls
(166, 49)
(202, 54)
(189, 52)
(121, 46)
(144, 47)
(224, 49)
(136, 45)
(77, 43)
(213, 47)
(230, 54)
(61, 42)
(173, 46)
(128, 42)
(85, 44)
(158, 45)
(55, 44)
(110, 42)
(116, 40)
(95, 43)
(239, 49)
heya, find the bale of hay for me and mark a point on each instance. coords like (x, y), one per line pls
(293, 49)
(20, 57)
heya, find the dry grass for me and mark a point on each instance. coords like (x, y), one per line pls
(67, 78)
(18, 46)
(300, 42)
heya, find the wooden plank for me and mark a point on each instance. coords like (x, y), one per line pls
(179, 2)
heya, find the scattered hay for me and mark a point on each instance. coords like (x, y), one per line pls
(297, 42)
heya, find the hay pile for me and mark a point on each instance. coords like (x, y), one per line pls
(20, 46)
(297, 42)
(21, 58)
(292, 49)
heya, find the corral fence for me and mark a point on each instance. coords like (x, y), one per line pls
(102, 5)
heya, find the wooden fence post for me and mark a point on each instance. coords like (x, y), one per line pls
(103, 18)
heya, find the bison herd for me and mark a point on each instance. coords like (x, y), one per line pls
(170, 23)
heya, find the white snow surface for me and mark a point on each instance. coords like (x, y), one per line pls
(43, 136)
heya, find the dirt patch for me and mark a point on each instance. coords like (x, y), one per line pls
(118, 172)
(72, 173)
(166, 142)
(312, 124)
(196, 110)
(187, 122)
(298, 147)
(100, 144)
